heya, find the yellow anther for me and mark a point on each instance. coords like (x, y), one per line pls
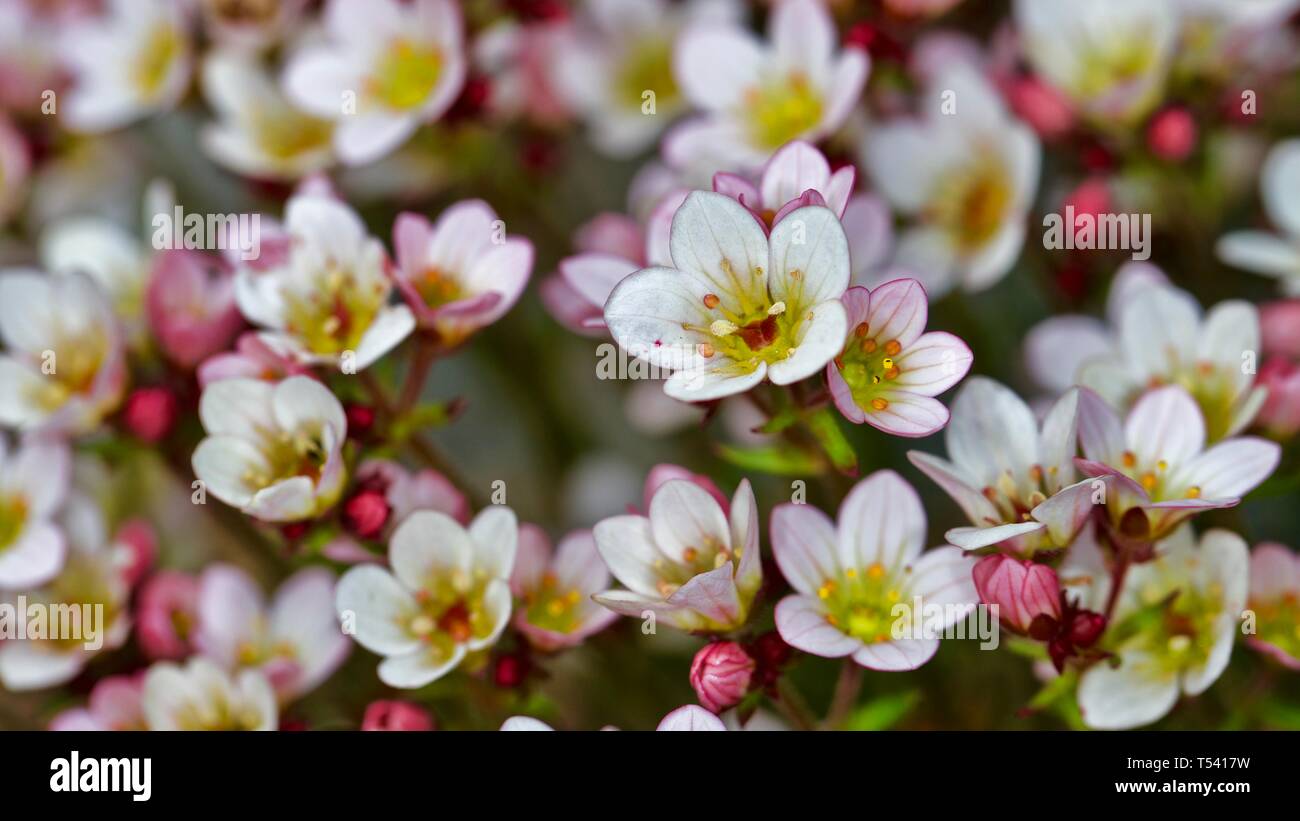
(1130, 459)
(711, 301)
(875, 571)
(690, 554)
(422, 625)
(879, 404)
(868, 345)
(860, 330)
(825, 591)
(1193, 492)
(722, 327)
(893, 347)
(851, 573)
(777, 309)
(1162, 466)
(1149, 480)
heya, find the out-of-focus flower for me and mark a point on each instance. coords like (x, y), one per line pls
(739, 306)
(556, 589)
(1022, 590)
(251, 359)
(295, 641)
(1274, 598)
(1013, 479)
(150, 413)
(690, 718)
(526, 724)
(663, 473)
(517, 62)
(166, 615)
(1162, 472)
(890, 369)
(920, 8)
(1263, 252)
(15, 162)
(1042, 106)
(328, 302)
(388, 68)
(131, 62)
(246, 25)
(850, 579)
(92, 575)
(116, 704)
(1280, 415)
(259, 132)
(393, 715)
(784, 182)
(273, 451)
(1157, 336)
(137, 546)
(65, 368)
(34, 481)
(461, 273)
(29, 64)
(191, 305)
(386, 493)
(757, 96)
(446, 599)
(692, 565)
(967, 172)
(1174, 627)
(1111, 57)
(201, 696)
(721, 673)
(1171, 134)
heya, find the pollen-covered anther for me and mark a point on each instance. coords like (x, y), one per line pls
(875, 571)
(860, 330)
(422, 625)
(721, 328)
(893, 347)
(777, 309)
(879, 404)
(1149, 480)
(868, 345)
(1130, 459)
(1036, 473)
(705, 350)
(825, 591)
(711, 301)
(690, 554)
(1193, 492)
(666, 588)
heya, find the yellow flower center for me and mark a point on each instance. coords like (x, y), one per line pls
(782, 111)
(406, 75)
(152, 65)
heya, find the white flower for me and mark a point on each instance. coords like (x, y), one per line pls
(272, 450)
(1110, 57)
(327, 301)
(389, 67)
(295, 642)
(1158, 337)
(446, 599)
(200, 696)
(132, 62)
(621, 50)
(758, 95)
(739, 306)
(1175, 622)
(259, 133)
(65, 367)
(966, 172)
(1261, 251)
(1013, 480)
(93, 574)
(33, 485)
(691, 563)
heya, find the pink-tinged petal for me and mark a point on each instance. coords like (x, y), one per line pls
(502, 270)
(411, 236)
(659, 228)
(1274, 572)
(1272, 650)
(933, 364)
(838, 191)
(974, 538)
(870, 228)
(842, 395)
(1136, 692)
(857, 305)
(992, 432)
(712, 595)
(943, 577)
(611, 233)
(715, 66)
(956, 484)
(1021, 590)
(1056, 348)
(1232, 468)
(628, 550)
(899, 655)
(569, 308)
(685, 517)
(231, 613)
(908, 414)
(794, 169)
(898, 311)
(1101, 435)
(1065, 512)
(532, 558)
(880, 521)
(577, 563)
(848, 77)
(804, 546)
(802, 623)
(738, 188)
(525, 724)
(661, 473)
(743, 518)
(690, 718)
(302, 617)
(76, 720)
(811, 241)
(1166, 423)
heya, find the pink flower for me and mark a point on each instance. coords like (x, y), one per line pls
(849, 577)
(1275, 599)
(251, 359)
(150, 413)
(1045, 108)
(556, 588)
(1171, 134)
(890, 370)
(393, 715)
(115, 704)
(1163, 474)
(720, 674)
(690, 718)
(787, 178)
(1279, 325)
(191, 305)
(1021, 590)
(1280, 415)
(139, 545)
(461, 273)
(165, 615)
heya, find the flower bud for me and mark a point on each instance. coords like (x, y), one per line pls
(150, 413)
(396, 716)
(1045, 109)
(1172, 134)
(1280, 414)
(1022, 590)
(721, 674)
(366, 513)
(165, 615)
(1279, 326)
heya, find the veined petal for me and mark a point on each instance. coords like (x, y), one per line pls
(933, 363)
(1066, 511)
(371, 600)
(809, 258)
(1135, 693)
(802, 623)
(427, 544)
(720, 243)
(880, 521)
(713, 595)
(898, 311)
(956, 484)
(1167, 424)
(804, 546)
(974, 538)
(908, 414)
(1230, 469)
(901, 654)
(992, 431)
(793, 170)
(690, 718)
(685, 517)
(1101, 435)
(627, 547)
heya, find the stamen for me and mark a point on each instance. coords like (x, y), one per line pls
(777, 309)
(824, 592)
(893, 347)
(711, 301)
(1193, 492)
(690, 554)
(868, 346)
(1130, 459)
(722, 327)
(860, 330)
(875, 571)
(879, 404)
(706, 350)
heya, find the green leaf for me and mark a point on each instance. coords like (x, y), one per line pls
(883, 712)
(827, 431)
(779, 459)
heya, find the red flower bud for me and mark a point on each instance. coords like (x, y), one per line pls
(721, 675)
(366, 513)
(1172, 134)
(150, 413)
(395, 716)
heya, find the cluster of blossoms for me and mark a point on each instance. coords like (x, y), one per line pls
(223, 439)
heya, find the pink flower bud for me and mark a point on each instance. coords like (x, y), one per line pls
(396, 716)
(1022, 590)
(165, 615)
(150, 413)
(1279, 325)
(1280, 414)
(140, 546)
(1042, 106)
(191, 307)
(366, 513)
(1172, 134)
(721, 674)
